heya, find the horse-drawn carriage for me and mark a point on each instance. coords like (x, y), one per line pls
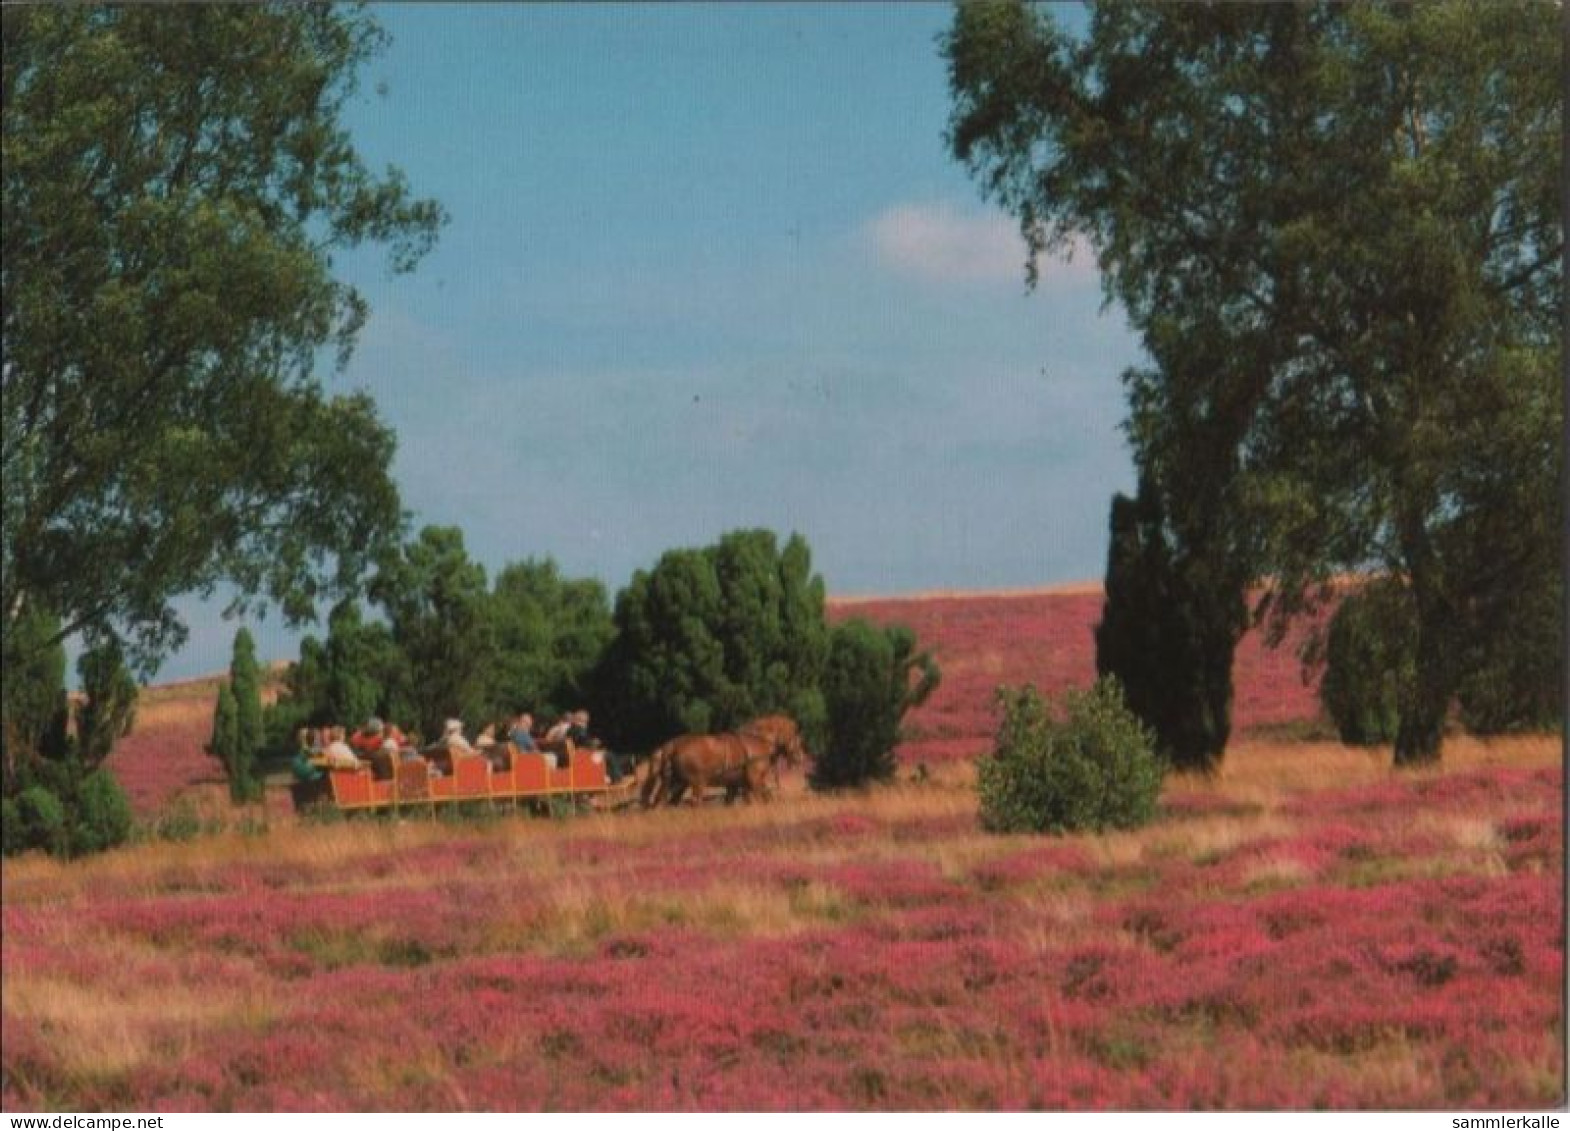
(688, 766)
(528, 777)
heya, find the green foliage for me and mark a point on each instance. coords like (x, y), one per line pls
(109, 708)
(1094, 768)
(41, 821)
(360, 671)
(873, 676)
(438, 608)
(665, 667)
(550, 631)
(448, 646)
(103, 815)
(1332, 387)
(178, 183)
(245, 680)
(281, 722)
(225, 741)
(56, 798)
(32, 694)
(1515, 675)
(1168, 631)
(712, 637)
(238, 736)
(1368, 655)
(12, 837)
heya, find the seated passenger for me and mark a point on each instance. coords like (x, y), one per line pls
(578, 730)
(369, 738)
(339, 754)
(494, 752)
(617, 766)
(453, 739)
(440, 753)
(556, 737)
(382, 760)
(302, 765)
(522, 736)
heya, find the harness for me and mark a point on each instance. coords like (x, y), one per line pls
(738, 739)
(776, 747)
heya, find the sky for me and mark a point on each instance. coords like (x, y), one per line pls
(711, 267)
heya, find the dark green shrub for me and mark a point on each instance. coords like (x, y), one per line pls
(550, 632)
(1515, 671)
(237, 722)
(103, 815)
(225, 740)
(281, 722)
(34, 710)
(42, 818)
(438, 607)
(109, 705)
(1094, 768)
(1369, 656)
(56, 796)
(12, 838)
(1169, 628)
(715, 636)
(245, 679)
(873, 676)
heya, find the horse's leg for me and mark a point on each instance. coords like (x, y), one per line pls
(653, 789)
(667, 790)
(669, 779)
(650, 792)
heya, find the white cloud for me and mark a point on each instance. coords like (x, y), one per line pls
(937, 242)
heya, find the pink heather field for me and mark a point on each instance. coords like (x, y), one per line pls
(1307, 929)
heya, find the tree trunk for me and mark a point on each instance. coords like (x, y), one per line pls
(1426, 699)
(1422, 717)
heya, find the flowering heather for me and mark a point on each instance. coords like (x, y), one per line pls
(1048, 639)
(165, 753)
(1282, 936)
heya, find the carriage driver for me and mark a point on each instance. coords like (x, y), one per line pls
(617, 766)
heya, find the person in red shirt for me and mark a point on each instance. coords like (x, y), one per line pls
(370, 743)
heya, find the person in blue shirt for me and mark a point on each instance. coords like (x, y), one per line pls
(522, 733)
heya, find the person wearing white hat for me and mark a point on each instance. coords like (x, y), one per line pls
(451, 742)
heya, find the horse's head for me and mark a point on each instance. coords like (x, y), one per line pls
(784, 738)
(794, 749)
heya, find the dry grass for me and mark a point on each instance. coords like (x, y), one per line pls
(1258, 778)
(1255, 770)
(113, 1027)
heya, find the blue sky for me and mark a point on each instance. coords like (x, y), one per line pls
(711, 267)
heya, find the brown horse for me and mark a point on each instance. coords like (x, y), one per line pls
(740, 761)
